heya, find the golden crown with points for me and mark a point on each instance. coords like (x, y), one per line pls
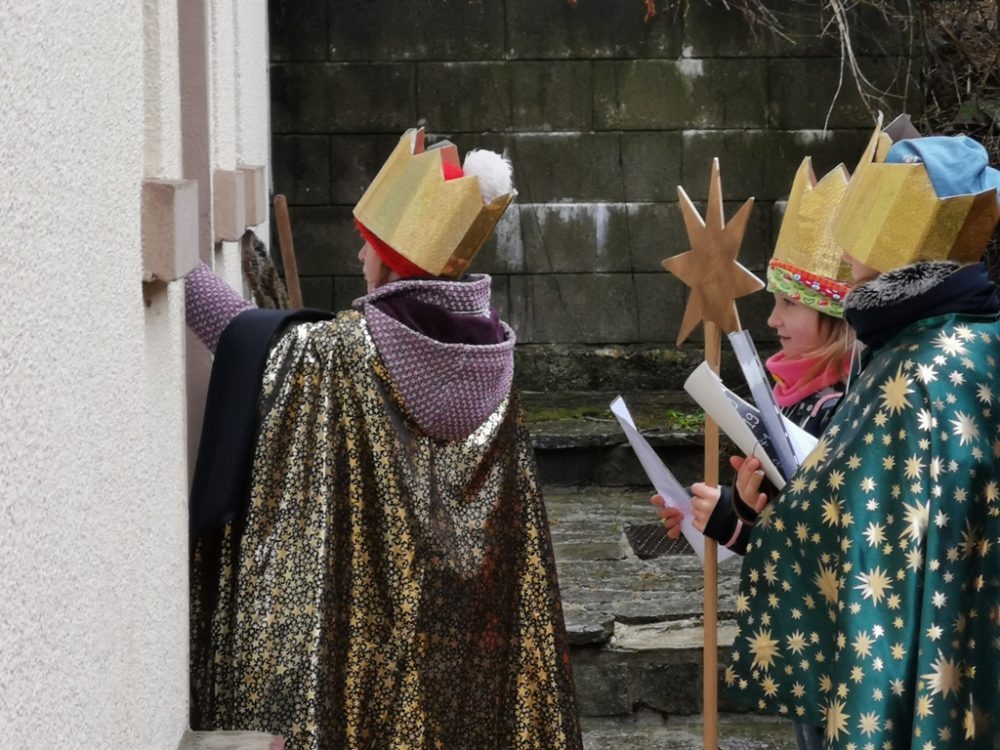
(435, 224)
(808, 264)
(891, 217)
(804, 239)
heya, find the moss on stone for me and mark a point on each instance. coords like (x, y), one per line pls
(556, 413)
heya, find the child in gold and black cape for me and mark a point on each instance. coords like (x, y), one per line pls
(374, 568)
(870, 593)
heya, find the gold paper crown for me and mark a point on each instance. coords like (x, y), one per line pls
(805, 240)
(807, 265)
(435, 224)
(891, 217)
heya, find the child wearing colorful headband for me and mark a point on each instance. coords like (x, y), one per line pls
(870, 598)
(807, 277)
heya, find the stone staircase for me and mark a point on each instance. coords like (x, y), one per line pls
(633, 599)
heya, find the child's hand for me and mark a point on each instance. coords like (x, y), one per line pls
(671, 516)
(749, 475)
(703, 501)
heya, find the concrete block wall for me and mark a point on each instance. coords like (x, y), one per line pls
(603, 116)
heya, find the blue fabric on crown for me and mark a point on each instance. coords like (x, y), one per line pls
(956, 165)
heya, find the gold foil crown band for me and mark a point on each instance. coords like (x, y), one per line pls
(435, 224)
(805, 239)
(891, 216)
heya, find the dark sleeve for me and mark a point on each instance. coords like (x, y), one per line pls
(816, 422)
(739, 546)
(220, 487)
(725, 526)
(723, 521)
(747, 514)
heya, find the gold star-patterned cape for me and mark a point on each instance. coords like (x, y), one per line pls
(870, 600)
(385, 590)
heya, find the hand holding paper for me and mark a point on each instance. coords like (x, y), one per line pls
(749, 477)
(760, 388)
(665, 483)
(670, 516)
(704, 498)
(742, 422)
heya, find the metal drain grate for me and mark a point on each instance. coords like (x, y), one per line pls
(649, 540)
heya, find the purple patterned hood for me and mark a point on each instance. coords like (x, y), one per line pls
(448, 385)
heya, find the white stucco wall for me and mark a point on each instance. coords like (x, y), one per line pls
(162, 102)
(92, 511)
(94, 379)
(240, 105)
(253, 105)
(232, 90)
(222, 113)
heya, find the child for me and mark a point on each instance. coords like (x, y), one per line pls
(869, 599)
(807, 277)
(385, 578)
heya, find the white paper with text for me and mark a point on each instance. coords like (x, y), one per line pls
(666, 485)
(706, 388)
(763, 397)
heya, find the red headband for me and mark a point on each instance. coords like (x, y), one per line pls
(395, 261)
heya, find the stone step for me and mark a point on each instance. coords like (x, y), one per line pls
(648, 730)
(634, 625)
(634, 367)
(230, 740)
(578, 441)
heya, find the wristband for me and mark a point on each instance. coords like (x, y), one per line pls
(736, 534)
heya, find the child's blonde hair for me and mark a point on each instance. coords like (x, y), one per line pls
(835, 351)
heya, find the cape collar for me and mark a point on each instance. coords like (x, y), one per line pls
(881, 308)
(899, 285)
(470, 296)
(449, 384)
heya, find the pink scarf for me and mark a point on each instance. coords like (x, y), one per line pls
(789, 373)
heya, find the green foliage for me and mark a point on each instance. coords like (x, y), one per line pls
(685, 421)
(670, 420)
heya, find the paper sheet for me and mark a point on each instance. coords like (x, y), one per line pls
(763, 396)
(741, 421)
(672, 491)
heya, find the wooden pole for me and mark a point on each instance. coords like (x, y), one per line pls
(287, 251)
(710, 700)
(710, 269)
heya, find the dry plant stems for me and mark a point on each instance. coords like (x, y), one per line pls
(961, 78)
(950, 48)
(847, 22)
(961, 70)
(947, 64)
(954, 41)
(952, 44)
(869, 92)
(838, 19)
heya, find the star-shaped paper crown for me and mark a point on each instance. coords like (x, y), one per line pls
(709, 268)
(436, 224)
(891, 216)
(807, 264)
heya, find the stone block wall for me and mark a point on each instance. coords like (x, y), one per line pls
(603, 115)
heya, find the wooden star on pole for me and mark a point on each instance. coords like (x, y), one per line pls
(710, 268)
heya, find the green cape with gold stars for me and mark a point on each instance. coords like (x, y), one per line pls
(870, 601)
